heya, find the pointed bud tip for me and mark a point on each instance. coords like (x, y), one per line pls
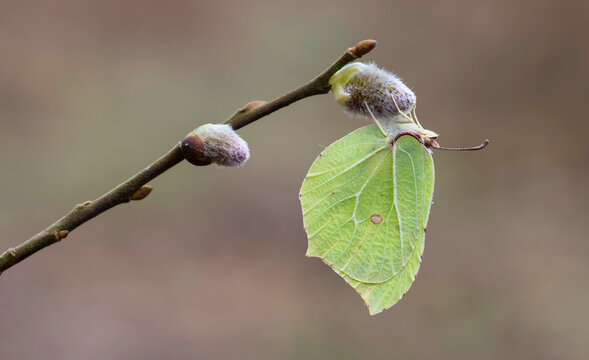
(141, 193)
(363, 47)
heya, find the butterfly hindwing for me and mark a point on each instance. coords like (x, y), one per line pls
(365, 208)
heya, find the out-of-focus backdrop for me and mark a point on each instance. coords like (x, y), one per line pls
(211, 265)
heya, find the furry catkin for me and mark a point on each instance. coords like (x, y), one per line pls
(358, 85)
(222, 145)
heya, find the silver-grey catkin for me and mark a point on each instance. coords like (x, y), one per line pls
(223, 145)
(376, 87)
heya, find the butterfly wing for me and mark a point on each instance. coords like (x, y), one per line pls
(365, 208)
(349, 184)
(414, 186)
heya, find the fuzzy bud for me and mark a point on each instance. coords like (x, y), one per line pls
(217, 143)
(357, 85)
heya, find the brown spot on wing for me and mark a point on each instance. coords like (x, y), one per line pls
(375, 219)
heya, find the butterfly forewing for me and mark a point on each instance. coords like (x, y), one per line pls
(365, 207)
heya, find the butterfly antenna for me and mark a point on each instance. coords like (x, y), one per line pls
(374, 118)
(414, 116)
(437, 146)
(399, 110)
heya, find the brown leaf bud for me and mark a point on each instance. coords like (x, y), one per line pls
(254, 104)
(362, 48)
(142, 192)
(194, 150)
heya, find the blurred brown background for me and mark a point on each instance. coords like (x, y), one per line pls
(211, 265)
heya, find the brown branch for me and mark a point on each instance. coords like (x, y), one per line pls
(135, 188)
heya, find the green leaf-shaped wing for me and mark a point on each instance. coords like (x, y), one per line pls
(365, 208)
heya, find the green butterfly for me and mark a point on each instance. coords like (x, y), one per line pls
(367, 197)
